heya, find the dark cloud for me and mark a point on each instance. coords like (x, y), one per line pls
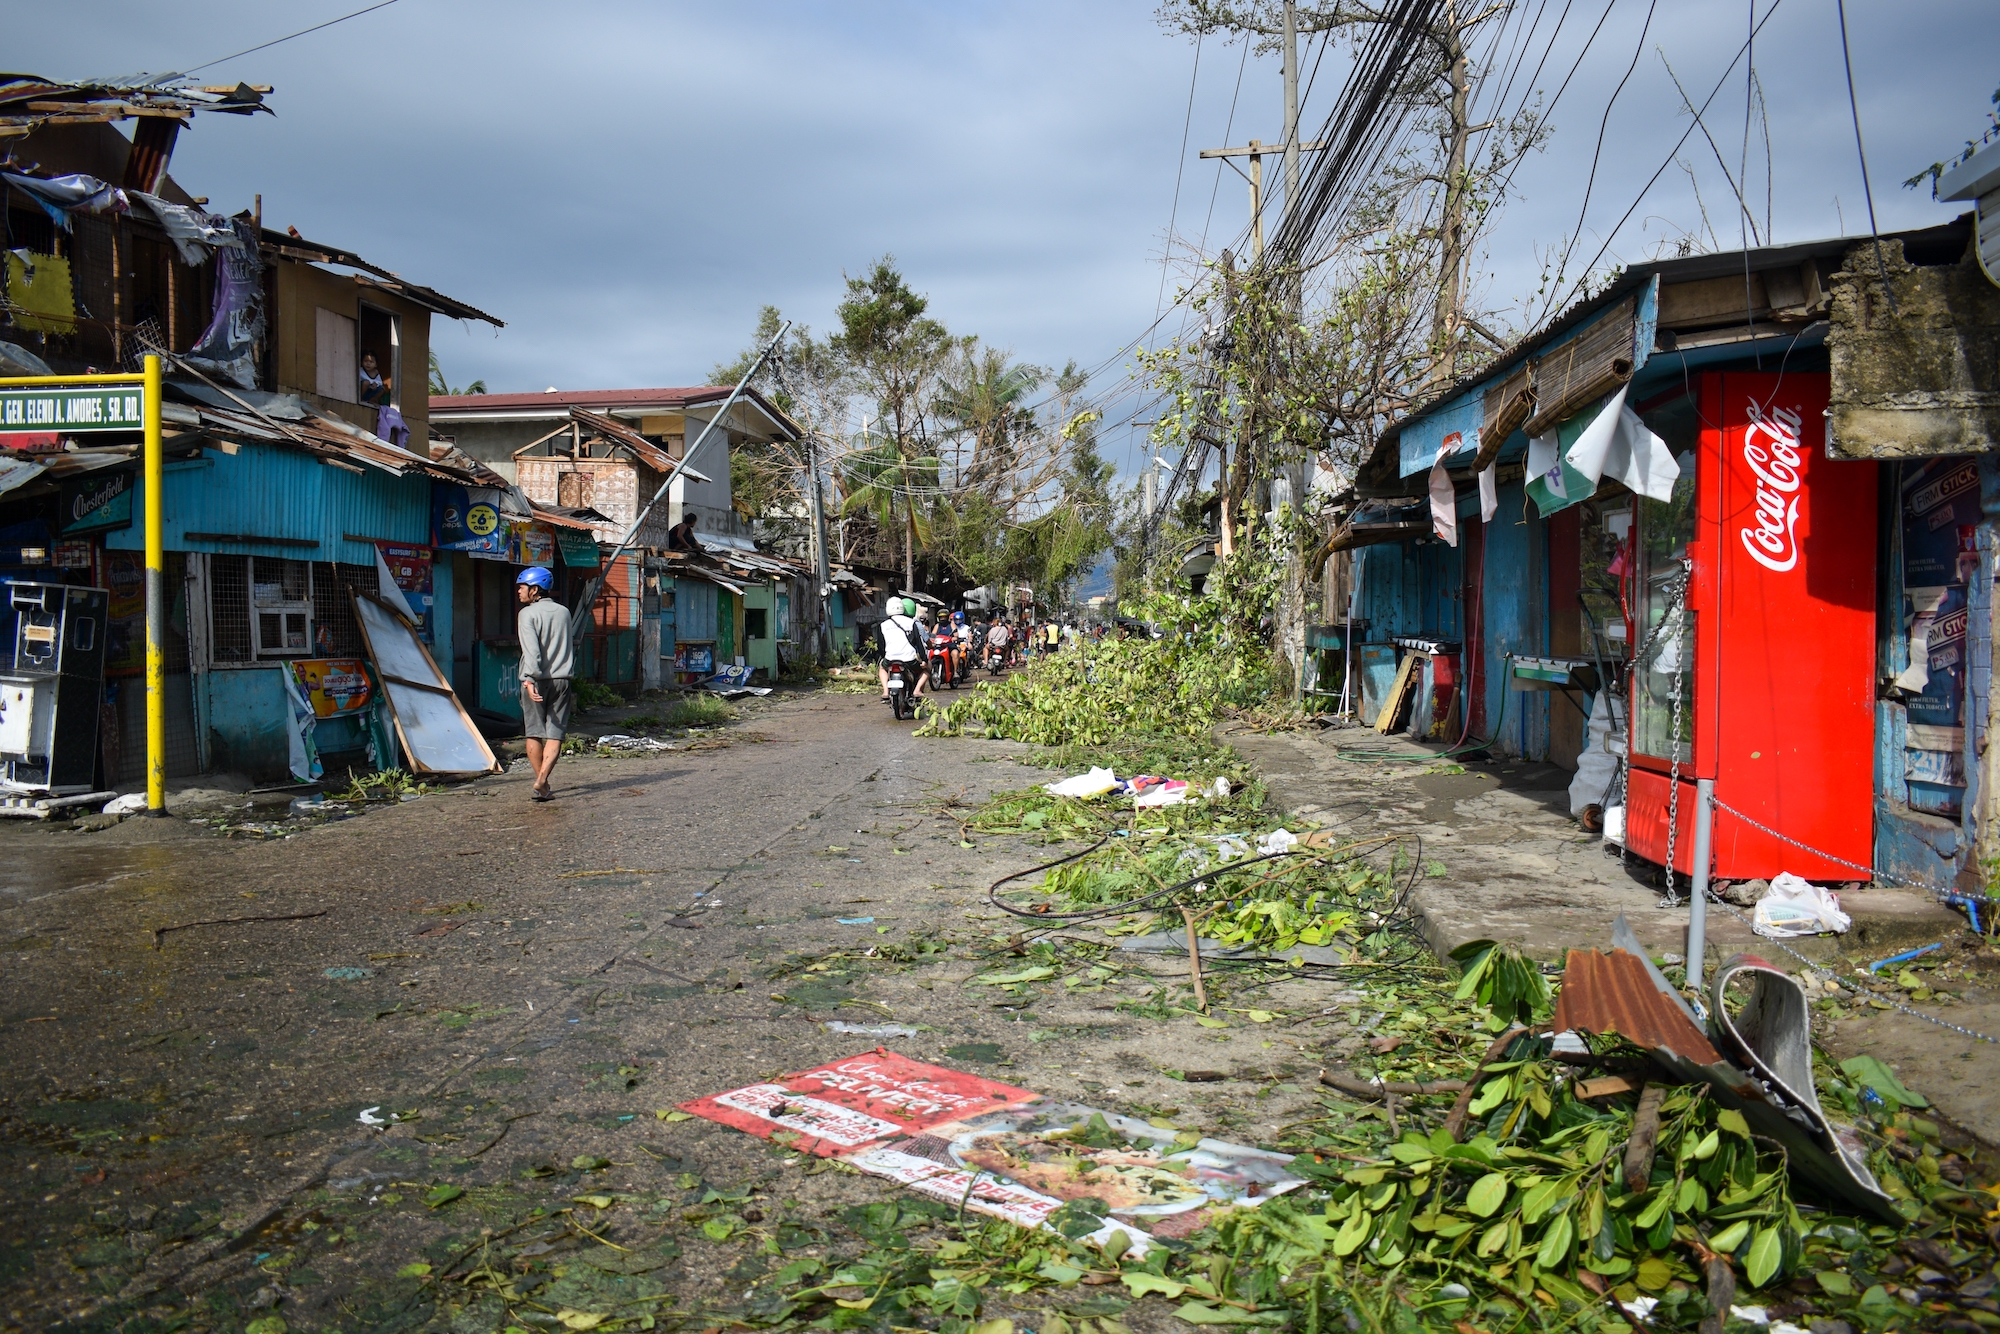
(626, 184)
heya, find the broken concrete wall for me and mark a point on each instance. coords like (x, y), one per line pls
(1916, 356)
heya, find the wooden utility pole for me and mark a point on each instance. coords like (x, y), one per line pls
(1449, 315)
(1291, 107)
(1256, 150)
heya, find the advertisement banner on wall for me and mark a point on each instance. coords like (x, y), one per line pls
(467, 518)
(579, 549)
(531, 543)
(1940, 521)
(405, 571)
(125, 617)
(96, 502)
(336, 686)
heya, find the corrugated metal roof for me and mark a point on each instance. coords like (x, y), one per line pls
(553, 405)
(1612, 993)
(289, 245)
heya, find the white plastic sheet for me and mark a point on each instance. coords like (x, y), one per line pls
(1093, 784)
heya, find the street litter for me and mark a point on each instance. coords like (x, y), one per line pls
(368, 1117)
(869, 1030)
(856, 921)
(1797, 907)
(349, 974)
(731, 681)
(1758, 1064)
(1148, 792)
(132, 803)
(1006, 1152)
(1093, 784)
(633, 745)
(1904, 957)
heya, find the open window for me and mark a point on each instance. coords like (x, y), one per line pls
(380, 342)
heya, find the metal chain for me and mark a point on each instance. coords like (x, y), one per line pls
(1676, 616)
(1836, 978)
(1942, 891)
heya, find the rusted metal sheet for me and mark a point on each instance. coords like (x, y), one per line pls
(1612, 993)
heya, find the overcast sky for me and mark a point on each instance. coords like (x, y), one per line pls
(626, 184)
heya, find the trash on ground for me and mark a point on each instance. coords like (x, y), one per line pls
(1175, 942)
(349, 974)
(1006, 1152)
(132, 803)
(1757, 1062)
(1797, 907)
(633, 745)
(732, 680)
(856, 921)
(368, 1117)
(1093, 784)
(1148, 791)
(1904, 957)
(869, 1030)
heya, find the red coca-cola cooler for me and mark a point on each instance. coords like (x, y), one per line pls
(1776, 657)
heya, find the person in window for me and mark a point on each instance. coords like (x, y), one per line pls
(375, 386)
(681, 537)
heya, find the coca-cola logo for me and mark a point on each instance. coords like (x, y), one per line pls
(1771, 452)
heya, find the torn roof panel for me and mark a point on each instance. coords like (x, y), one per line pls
(1613, 993)
(290, 246)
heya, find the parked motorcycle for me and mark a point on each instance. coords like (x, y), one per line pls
(902, 689)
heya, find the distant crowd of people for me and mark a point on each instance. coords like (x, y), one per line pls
(1016, 636)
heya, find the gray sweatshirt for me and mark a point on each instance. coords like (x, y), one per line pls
(543, 627)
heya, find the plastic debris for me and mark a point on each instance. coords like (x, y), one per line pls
(869, 1030)
(1093, 784)
(132, 803)
(349, 974)
(1797, 907)
(857, 921)
(368, 1117)
(626, 744)
(1904, 957)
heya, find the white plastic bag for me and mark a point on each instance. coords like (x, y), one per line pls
(1093, 784)
(1796, 907)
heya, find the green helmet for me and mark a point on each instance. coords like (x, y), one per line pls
(909, 606)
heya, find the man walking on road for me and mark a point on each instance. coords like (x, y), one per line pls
(547, 658)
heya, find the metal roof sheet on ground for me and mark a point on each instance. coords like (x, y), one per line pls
(1613, 993)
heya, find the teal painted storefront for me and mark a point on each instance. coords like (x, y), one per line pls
(272, 503)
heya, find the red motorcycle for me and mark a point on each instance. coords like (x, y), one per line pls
(943, 662)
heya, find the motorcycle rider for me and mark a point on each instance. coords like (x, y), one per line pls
(961, 633)
(996, 638)
(900, 643)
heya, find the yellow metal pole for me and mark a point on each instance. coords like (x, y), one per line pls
(156, 602)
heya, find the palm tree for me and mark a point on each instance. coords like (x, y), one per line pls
(882, 481)
(440, 389)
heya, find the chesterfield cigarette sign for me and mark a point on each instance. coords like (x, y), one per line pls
(97, 408)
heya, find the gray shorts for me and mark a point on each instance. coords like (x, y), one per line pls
(549, 719)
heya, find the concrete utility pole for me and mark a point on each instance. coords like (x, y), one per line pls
(819, 547)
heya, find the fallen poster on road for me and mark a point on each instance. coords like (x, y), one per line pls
(1004, 1151)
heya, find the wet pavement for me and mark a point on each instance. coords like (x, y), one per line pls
(520, 993)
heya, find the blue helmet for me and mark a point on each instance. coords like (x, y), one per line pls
(537, 576)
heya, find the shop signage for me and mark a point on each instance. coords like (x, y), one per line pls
(92, 408)
(97, 502)
(579, 548)
(1771, 452)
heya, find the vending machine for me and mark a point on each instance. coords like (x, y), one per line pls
(1751, 596)
(50, 700)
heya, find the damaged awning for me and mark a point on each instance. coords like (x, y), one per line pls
(257, 417)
